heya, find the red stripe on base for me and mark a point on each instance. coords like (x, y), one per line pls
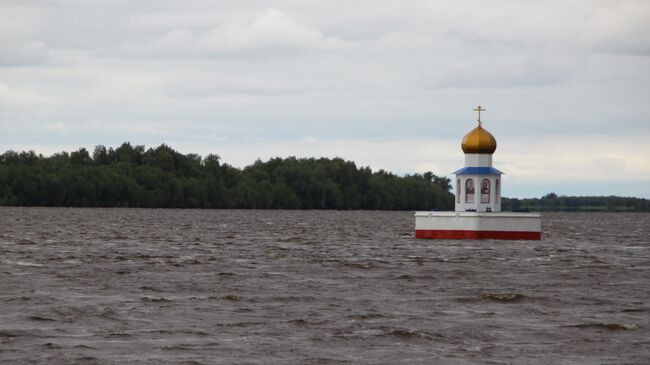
(477, 235)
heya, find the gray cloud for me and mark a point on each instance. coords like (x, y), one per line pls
(271, 33)
(254, 75)
(26, 54)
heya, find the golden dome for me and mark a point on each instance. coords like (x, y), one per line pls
(479, 140)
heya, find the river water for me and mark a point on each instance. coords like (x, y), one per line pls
(137, 286)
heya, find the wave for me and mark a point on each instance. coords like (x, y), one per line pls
(154, 300)
(23, 263)
(150, 288)
(41, 319)
(606, 326)
(409, 334)
(25, 241)
(634, 310)
(504, 297)
(175, 332)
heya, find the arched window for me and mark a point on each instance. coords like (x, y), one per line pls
(469, 191)
(485, 191)
(458, 191)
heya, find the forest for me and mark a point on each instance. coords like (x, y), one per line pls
(133, 176)
(553, 203)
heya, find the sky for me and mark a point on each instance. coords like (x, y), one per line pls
(387, 84)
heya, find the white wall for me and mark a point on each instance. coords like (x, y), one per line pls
(495, 196)
(478, 160)
(531, 222)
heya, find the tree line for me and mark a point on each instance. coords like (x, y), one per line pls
(133, 176)
(553, 203)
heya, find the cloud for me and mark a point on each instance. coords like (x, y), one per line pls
(558, 26)
(211, 87)
(21, 43)
(271, 33)
(309, 140)
(586, 157)
(26, 54)
(531, 70)
(11, 97)
(127, 129)
(619, 27)
(57, 127)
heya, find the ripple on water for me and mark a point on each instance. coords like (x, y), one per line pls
(504, 297)
(606, 326)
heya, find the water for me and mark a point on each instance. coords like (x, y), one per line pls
(101, 286)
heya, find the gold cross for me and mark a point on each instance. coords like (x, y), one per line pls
(479, 110)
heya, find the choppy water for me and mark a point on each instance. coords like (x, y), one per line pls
(317, 287)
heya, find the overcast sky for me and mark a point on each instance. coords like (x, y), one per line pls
(388, 84)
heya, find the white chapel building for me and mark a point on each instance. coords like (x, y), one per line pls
(477, 213)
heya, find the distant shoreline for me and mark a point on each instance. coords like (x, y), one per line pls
(302, 210)
(136, 177)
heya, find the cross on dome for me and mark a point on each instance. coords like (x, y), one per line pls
(479, 140)
(479, 109)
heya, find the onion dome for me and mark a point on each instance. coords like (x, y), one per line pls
(479, 140)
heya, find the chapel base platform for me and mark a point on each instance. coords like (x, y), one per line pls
(475, 225)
